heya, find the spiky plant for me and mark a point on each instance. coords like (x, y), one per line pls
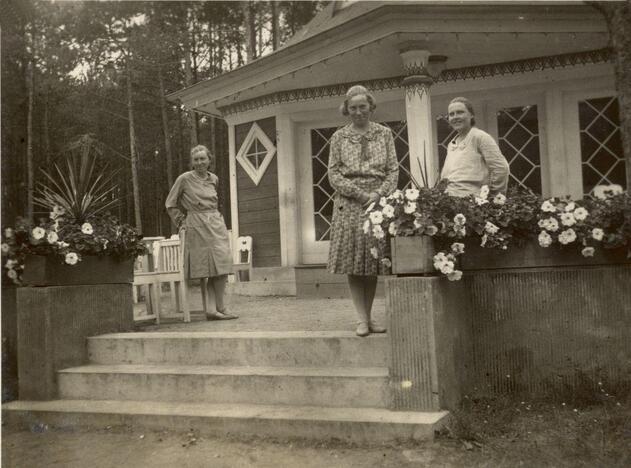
(81, 190)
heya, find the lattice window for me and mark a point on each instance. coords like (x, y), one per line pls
(256, 153)
(444, 134)
(601, 144)
(322, 190)
(518, 135)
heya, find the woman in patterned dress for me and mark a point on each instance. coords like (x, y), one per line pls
(363, 168)
(192, 205)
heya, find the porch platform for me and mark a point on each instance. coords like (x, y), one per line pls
(270, 313)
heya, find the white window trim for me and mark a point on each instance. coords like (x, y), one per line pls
(256, 133)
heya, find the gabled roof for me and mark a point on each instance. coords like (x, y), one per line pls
(359, 41)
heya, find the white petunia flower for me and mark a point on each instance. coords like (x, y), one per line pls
(376, 217)
(388, 211)
(484, 192)
(8, 233)
(410, 207)
(383, 201)
(605, 191)
(447, 267)
(366, 226)
(460, 219)
(57, 211)
(377, 231)
(38, 233)
(553, 225)
(411, 194)
(567, 237)
(5, 247)
(386, 262)
(455, 275)
(11, 264)
(86, 228)
(397, 195)
(431, 230)
(580, 213)
(52, 237)
(457, 248)
(417, 223)
(460, 230)
(544, 239)
(567, 219)
(598, 234)
(12, 274)
(542, 223)
(548, 207)
(570, 207)
(62, 244)
(71, 258)
(588, 252)
(392, 229)
(374, 252)
(491, 228)
(499, 199)
(481, 201)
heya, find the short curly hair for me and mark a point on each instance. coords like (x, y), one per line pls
(198, 148)
(357, 90)
(467, 104)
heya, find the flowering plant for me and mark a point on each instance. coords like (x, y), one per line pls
(500, 222)
(59, 236)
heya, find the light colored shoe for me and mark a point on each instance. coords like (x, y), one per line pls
(223, 315)
(374, 328)
(362, 329)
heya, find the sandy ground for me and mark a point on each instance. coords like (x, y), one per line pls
(116, 448)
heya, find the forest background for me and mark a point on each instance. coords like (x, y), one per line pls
(85, 76)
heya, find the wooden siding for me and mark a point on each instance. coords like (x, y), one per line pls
(258, 205)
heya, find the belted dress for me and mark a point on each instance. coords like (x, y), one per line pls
(359, 164)
(192, 204)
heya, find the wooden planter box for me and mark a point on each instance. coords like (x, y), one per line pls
(531, 255)
(40, 270)
(412, 255)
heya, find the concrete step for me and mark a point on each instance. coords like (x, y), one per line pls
(365, 425)
(289, 348)
(313, 386)
(263, 288)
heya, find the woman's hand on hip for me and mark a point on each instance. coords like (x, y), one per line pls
(373, 197)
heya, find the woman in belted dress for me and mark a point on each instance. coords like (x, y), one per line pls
(363, 168)
(192, 205)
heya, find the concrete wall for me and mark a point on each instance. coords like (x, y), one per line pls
(515, 331)
(53, 324)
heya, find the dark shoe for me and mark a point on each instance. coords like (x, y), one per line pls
(221, 316)
(362, 329)
(374, 328)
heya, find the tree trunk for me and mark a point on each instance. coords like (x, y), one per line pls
(618, 17)
(213, 136)
(250, 32)
(132, 148)
(46, 130)
(165, 129)
(275, 26)
(180, 131)
(30, 89)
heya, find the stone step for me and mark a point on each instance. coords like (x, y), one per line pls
(263, 288)
(364, 425)
(287, 348)
(314, 386)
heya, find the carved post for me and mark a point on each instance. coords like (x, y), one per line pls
(420, 68)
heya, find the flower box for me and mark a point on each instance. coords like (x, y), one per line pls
(531, 255)
(41, 270)
(412, 255)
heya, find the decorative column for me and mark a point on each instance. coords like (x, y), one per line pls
(420, 68)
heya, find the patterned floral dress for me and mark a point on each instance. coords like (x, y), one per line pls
(192, 203)
(358, 165)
